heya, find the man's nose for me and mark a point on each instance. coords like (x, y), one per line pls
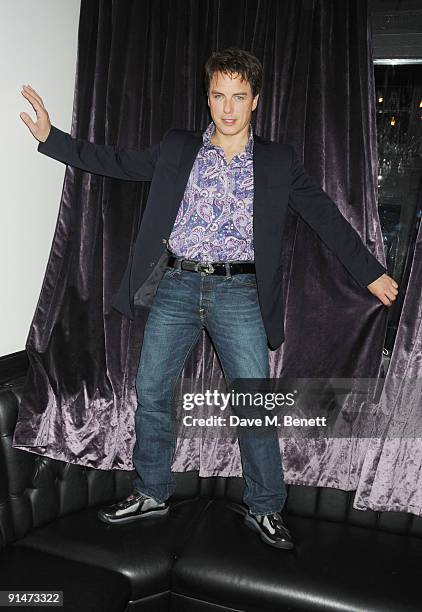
(228, 105)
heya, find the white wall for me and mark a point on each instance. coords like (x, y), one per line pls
(38, 46)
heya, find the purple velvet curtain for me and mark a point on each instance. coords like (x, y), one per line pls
(391, 476)
(139, 72)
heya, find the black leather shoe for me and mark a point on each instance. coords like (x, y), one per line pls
(272, 529)
(135, 506)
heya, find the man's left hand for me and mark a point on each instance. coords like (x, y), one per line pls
(385, 289)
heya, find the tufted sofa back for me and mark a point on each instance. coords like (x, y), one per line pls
(332, 505)
(35, 490)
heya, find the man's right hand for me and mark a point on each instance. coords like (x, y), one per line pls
(40, 129)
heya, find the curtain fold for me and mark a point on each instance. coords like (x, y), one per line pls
(391, 476)
(140, 72)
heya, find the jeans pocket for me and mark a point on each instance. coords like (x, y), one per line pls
(170, 272)
(244, 280)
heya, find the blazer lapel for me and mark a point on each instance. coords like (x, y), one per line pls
(190, 150)
(260, 166)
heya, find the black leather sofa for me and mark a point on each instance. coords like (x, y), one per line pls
(200, 557)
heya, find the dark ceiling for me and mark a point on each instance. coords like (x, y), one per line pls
(397, 29)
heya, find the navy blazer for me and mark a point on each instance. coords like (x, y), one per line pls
(280, 180)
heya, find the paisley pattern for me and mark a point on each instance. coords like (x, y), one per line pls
(214, 220)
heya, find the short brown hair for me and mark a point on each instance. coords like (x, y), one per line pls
(235, 60)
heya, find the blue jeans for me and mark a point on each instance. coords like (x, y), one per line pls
(227, 306)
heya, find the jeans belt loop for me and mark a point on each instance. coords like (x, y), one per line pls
(228, 274)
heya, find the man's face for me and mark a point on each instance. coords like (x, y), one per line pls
(230, 97)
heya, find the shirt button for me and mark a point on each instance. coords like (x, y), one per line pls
(151, 264)
(163, 240)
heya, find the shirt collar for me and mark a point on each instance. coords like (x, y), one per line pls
(206, 138)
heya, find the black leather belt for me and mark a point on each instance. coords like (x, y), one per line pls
(219, 268)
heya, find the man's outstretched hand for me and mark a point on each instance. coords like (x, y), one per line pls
(385, 289)
(40, 129)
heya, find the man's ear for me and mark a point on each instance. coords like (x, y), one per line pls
(255, 102)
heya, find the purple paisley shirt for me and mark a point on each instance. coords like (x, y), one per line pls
(214, 221)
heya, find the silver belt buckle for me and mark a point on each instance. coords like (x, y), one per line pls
(207, 268)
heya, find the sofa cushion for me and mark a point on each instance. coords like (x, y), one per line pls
(335, 566)
(85, 587)
(143, 551)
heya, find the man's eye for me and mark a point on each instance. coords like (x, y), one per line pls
(237, 97)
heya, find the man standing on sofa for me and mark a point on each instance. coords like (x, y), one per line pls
(215, 275)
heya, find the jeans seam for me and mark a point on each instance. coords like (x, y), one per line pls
(284, 500)
(174, 440)
(187, 354)
(174, 437)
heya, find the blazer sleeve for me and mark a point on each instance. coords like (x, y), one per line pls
(121, 163)
(319, 211)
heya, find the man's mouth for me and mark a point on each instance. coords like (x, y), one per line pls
(229, 121)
